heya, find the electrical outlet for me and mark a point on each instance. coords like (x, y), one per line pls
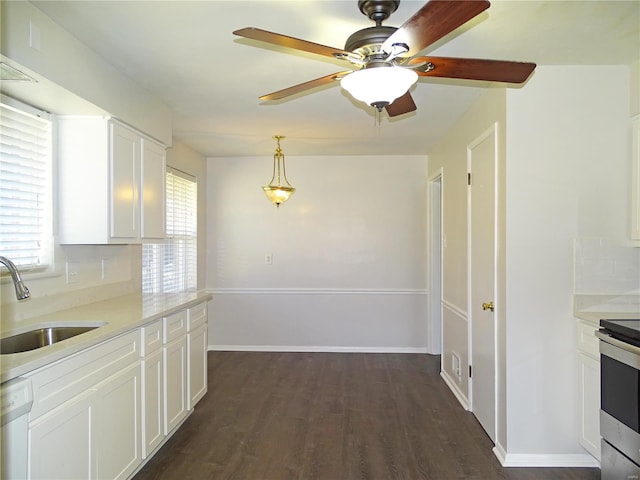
(73, 275)
(104, 264)
(268, 259)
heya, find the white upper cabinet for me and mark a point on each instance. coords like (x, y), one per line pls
(635, 178)
(124, 172)
(111, 183)
(152, 193)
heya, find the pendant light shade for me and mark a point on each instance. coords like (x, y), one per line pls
(278, 192)
(379, 86)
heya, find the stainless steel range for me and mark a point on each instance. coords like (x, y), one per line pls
(620, 398)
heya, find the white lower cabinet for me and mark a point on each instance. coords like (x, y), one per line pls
(153, 402)
(118, 425)
(152, 387)
(589, 371)
(197, 342)
(100, 413)
(589, 388)
(94, 435)
(60, 443)
(85, 419)
(175, 389)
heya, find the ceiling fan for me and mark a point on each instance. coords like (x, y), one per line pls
(385, 60)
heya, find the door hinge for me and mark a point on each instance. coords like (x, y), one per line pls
(469, 178)
(469, 371)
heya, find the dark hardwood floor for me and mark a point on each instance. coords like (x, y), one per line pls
(280, 416)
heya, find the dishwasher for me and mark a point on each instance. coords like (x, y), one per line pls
(16, 398)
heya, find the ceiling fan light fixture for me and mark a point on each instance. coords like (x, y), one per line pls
(379, 86)
(276, 191)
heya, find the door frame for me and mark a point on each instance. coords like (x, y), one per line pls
(435, 243)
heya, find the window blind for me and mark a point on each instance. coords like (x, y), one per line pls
(171, 266)
(25, 185)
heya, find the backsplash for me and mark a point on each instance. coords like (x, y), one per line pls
(606, 275)
(83, 274)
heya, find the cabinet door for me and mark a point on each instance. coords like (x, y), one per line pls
(175, 383)
(152, 402)
(152, 192)
(118, 425)
(589, 369)
(197, 366)
(60, 442)
(124, 179)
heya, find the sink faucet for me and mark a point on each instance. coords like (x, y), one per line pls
(22, 292)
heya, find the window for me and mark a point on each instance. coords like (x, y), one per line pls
(171, 266)
(25, 185)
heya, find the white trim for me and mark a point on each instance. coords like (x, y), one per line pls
(455, 390)
(499, 452)
(435, 189)
(30, 109)
(313, 291)
(455, 309)
(313, 349)
(579, 460)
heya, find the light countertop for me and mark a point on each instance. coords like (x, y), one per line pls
(595, 317)
(119, 315)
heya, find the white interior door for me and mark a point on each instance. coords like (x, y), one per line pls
(482, 156)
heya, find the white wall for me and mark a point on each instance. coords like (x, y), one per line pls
(50, 292)
(348, 253)
(568, 165)
(69, 64)
(564, 174)
(450, 155)
(73, 79)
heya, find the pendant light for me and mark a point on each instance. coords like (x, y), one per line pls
(276, 192)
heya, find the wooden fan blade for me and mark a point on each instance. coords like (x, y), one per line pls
(318, 82)
(403, 104)
(433, 21)
(290, 42)
(477, 69)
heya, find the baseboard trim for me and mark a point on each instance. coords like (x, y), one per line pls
(580, 460)
(313, 348)
(500, 453)
(455, 390)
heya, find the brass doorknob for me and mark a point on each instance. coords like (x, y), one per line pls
(488, 306)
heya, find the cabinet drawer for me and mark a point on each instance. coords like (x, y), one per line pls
(62, 381)
(175, 326)
(587, 340)
(151, 337)
(197, 316)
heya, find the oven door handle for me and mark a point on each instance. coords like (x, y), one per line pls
(618, 343)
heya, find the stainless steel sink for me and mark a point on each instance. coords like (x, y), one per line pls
(41, 337)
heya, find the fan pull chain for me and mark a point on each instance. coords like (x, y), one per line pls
(377, 120)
